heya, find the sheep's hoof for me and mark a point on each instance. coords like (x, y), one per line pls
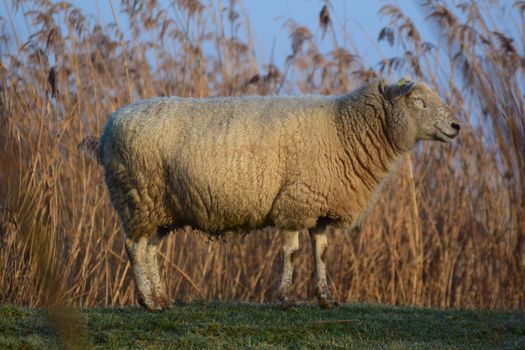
(288, 302)
(145, 304)
(163, 303)
(158, 307)
(155, 305)
(328, 303)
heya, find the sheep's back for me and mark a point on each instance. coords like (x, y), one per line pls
(222, 161)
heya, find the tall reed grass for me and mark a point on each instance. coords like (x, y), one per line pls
(448, 230)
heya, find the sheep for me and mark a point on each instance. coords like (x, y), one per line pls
(244, 163)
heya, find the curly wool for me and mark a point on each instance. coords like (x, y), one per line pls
(243, 163)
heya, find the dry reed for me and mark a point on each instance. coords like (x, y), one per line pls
(448, 230)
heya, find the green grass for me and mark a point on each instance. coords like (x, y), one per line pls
(233, 325)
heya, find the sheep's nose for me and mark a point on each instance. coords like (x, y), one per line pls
(456, 126)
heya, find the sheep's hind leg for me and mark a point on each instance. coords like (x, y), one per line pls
(137, 252)
(142, 254)
(319, 244)
(289, 248)
(158, 287)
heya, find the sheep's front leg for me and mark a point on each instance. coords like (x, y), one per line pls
(290, 246)
(319, 245)
(143, 258)
(137, 251)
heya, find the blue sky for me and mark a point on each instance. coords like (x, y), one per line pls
(359, 18)
(267, 17)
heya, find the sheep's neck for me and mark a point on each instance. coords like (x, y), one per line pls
(367, 147)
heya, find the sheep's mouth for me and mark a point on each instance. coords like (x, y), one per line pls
(445, 136)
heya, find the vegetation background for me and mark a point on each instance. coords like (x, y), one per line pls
(448, 230)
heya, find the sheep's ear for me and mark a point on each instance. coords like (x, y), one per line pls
(401, 88)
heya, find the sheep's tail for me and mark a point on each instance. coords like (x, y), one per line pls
(91, 146)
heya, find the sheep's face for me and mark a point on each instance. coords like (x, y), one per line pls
(429, 116)
(434, 119)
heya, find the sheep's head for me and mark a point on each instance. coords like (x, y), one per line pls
(427, 116)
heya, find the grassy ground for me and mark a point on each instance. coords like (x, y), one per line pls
(233, 325)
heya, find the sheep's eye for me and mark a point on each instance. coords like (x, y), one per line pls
(418, 102)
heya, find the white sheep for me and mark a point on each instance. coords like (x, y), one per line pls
(243, 163)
